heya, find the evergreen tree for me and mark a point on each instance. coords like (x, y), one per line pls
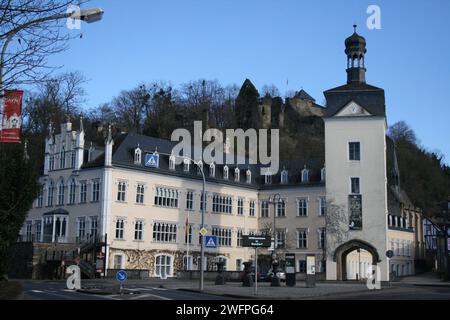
(18, 189)
(247, 112)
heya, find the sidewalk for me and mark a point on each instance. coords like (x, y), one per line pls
(265, 291)
(424, 279)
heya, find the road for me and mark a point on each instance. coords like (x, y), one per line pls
(56, 290)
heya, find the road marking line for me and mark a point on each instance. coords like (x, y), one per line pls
(37, 291)
(149, 295)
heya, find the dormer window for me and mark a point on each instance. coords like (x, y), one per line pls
(172, 162)
(305, 175)
(284, 176)
(199, 167)
(212, 170)
(322, 174)
(237, 175)
(137, 155)
(248, 176)
(225, 172)
(62, 158)
(268, 178)
(186, 164)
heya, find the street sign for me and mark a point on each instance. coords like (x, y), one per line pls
(152, 160)
(389, 254)
(203, 231)
(121, 275)
(256, 241)
(211, 242)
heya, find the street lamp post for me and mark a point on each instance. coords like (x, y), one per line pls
(275, 200)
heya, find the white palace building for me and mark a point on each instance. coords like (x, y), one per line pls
(104, 208)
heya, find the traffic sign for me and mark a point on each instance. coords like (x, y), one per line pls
(203, 231)
(121, 275)
(389, 254)
(152, 160)
(256, 241)
(211, 242)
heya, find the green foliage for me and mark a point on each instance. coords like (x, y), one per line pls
(18, 189)
(423, 174)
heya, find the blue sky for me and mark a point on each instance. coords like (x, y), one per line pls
(269, 41)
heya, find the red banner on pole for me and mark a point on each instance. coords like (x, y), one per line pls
(11, 117)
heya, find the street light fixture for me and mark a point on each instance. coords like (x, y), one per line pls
(275, 199)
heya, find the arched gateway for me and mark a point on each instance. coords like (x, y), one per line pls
(341, 252)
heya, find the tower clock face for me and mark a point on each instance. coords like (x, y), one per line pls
(354, 109)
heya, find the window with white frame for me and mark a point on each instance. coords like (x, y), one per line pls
(73, 159)
(81, 227)
(188, 233)
(121, 191)
(251, 211)
(321, 234)
(280, 238)
(239, 238)
(212, 170)
(137, 155)
(248, 176)
(223, 236)
(222, 204)
(51, 165)
(62, 158)
(94, 225)
(118, 262)
(264, 209)
(322, 206)
(190, 200)
(203, 201)
(164, 232)
(83, 191)
(120, 227)
(225, 172)
(140, 189)
(187, 262)
(268, 178)
(281, 208)
(72, 190)
(186, 164)
(199, 167)
(61, 193)
(138, 230)
(302, 207)
(305, 175)
(29, 231)
(284, 176)
(50, 194)
(240, 207)
(302, 238)
(163, 266)
(172, 162)
(354, 185)
(40, 198)
(354, 151)
(166, 197)
(237, 174)
(95, 191)
(38, 230)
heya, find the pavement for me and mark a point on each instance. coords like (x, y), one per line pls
(426, 286)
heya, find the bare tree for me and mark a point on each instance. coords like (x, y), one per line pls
(30, 31)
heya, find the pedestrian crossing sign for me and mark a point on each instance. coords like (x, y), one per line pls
(211, 242)
(152, 160)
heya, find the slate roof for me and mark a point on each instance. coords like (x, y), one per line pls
(369, 97)
(123, 156)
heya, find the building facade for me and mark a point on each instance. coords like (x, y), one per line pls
(148, 215)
